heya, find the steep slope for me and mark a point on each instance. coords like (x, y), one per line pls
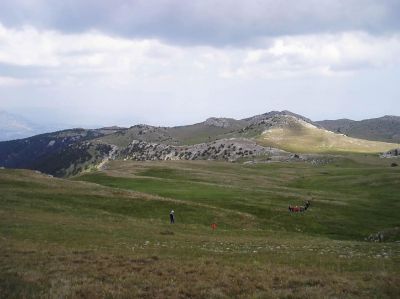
(59, 153)
(386, 128)
(293, 134)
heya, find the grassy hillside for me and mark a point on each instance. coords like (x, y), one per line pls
(106, 234)
(310, 139)
(265, 190)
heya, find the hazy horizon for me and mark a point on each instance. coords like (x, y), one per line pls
(48, 126)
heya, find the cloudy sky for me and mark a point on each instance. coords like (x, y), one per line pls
(172, 62)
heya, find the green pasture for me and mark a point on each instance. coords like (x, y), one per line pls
(106, 234)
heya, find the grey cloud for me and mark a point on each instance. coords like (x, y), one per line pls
(207, 22)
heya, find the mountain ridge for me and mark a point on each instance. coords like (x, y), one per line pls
(269, 136)
(385, 128)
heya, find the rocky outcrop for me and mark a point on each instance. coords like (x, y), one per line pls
(224, 149)
(391, 154)
(276, 115)
(387, 235)
(278, 120)
(220, 122)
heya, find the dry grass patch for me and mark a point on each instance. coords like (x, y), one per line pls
(313, 139)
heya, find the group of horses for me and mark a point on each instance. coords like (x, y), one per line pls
(296, 209)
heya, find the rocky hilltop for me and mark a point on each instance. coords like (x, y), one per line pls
(276, 115)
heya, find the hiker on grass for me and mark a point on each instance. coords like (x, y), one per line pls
(172, 217)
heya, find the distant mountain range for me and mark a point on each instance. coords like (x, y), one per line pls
(386, 128)
(276, 135)
(15, 127)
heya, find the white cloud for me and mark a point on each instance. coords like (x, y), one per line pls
(93, 58)
(89, 51)
(324, 54)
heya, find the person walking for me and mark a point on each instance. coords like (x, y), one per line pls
(172, 217)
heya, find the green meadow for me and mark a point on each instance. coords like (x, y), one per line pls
(106, 233)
